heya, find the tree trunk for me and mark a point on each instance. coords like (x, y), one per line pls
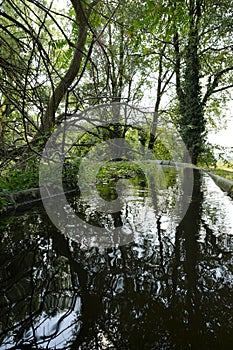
(82, 17)
(191, 122)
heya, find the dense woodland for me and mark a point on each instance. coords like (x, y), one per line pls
(60, 58)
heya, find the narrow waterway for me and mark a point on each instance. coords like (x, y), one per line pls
(169, 287)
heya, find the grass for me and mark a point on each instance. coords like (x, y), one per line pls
(223, 170)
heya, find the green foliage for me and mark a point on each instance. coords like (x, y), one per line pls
(20, 178)
(113, 171)
(129, 51)
(23, 177)
(170, 175)
(207, 158)
(212, 155)
(160, 150)
(3, 204)
(110, 173)
(70, 173)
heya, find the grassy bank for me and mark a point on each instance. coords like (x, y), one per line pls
(223, 170)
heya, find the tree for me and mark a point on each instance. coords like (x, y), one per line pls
(198, 38)
(192, 121)
(51, 60)
(198, 51)
(54, 64)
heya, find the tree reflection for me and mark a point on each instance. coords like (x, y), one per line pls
(169, 288)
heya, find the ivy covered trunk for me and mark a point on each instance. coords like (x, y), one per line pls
(192, 121)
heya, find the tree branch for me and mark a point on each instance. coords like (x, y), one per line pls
(211, 88)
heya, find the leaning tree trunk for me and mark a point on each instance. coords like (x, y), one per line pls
(83, 12)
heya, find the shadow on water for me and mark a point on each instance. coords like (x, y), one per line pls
(170, 288)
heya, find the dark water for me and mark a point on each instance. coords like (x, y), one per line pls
(170, 287)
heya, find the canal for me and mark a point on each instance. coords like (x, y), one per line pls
(169, 287)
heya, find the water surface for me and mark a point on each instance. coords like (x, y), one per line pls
(170, 287)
